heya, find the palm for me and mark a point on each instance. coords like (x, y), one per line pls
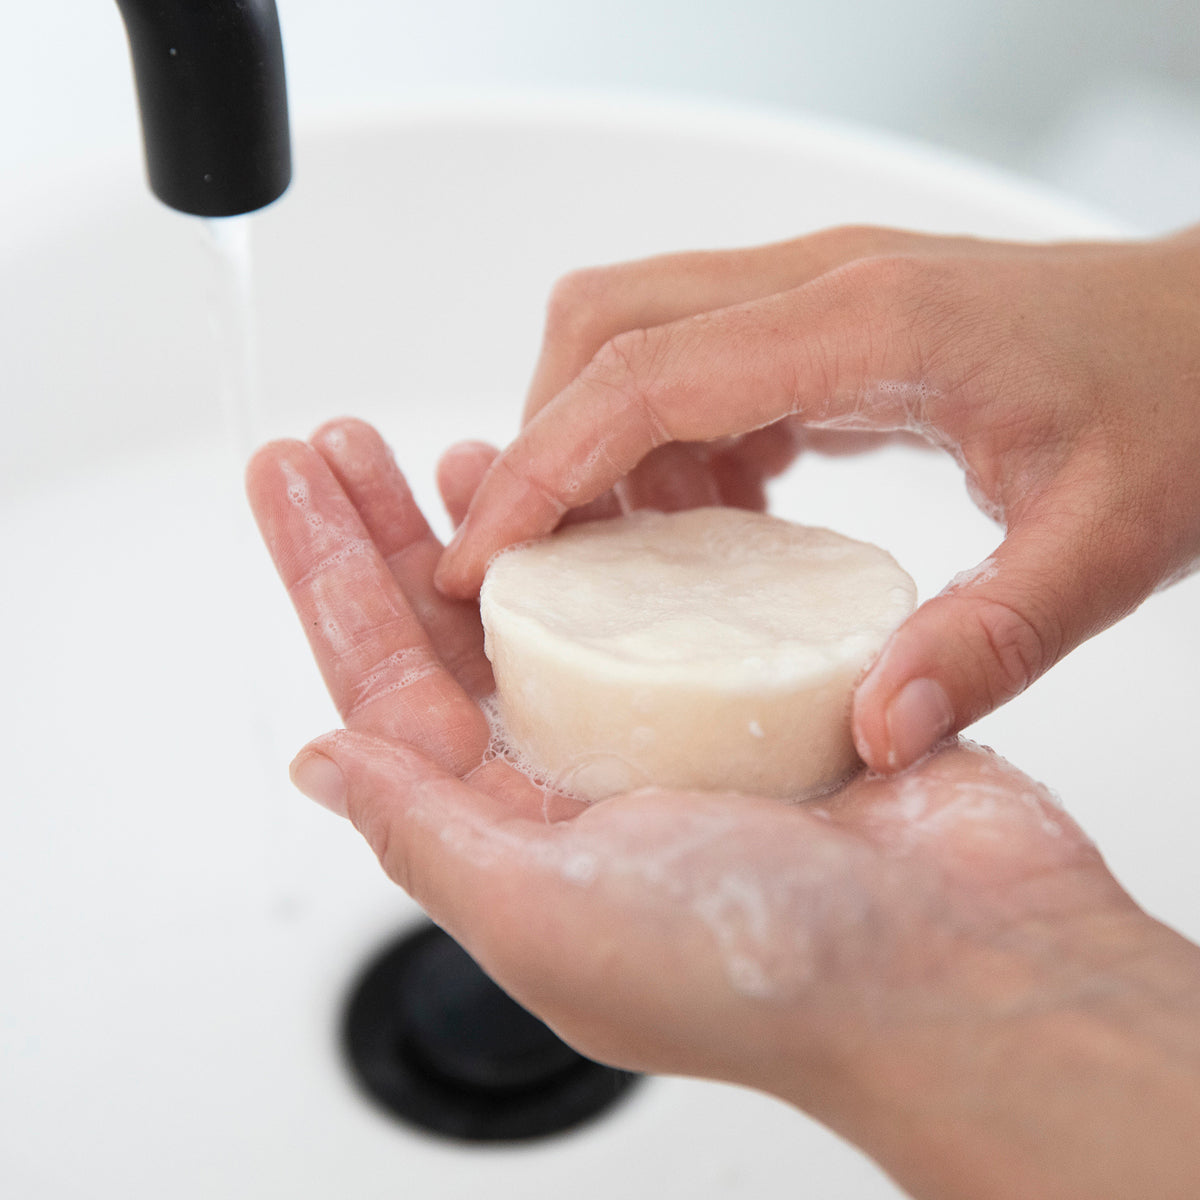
(660, 930)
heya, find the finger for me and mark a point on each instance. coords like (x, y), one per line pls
(435, 835)
(973, 815)
(590, 307)
(1057, 579)
(462, 468)
(686, 475)
(380, 667)
(671, 478)
(366, 470)
(602, 508)
(738, 483)
(506, 886)
(589, 922)
(771, 449)
(817, 352)
(741, 470)
(459, 472)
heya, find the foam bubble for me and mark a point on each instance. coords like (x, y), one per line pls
(297, 485)
(500, 746)
(397, 672)
(982, 572)
(581, 867)
(982, 501)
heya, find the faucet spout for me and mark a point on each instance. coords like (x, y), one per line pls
(213, 101)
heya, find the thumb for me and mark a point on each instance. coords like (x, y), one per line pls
(983, 640)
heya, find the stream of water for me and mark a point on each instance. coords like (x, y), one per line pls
(234, 331)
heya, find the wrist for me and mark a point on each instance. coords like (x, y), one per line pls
(1087, 1086)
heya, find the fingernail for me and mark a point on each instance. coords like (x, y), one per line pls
(445, 574)
(456, 541)
(441, 575)
(320, 779)
(916, 719)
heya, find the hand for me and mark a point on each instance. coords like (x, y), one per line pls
(1064, 379)
(934, 965)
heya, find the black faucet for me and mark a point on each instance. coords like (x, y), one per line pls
(213, 101)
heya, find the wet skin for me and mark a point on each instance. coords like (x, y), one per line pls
(1062, 378)
(936, 964)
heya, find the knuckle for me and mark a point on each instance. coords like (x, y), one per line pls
(851, 241)
(372, 818)
(625, 362)
(916, 284)
(625, 357)
(918, 302)
(1020, 648)
(892, 278)
(580, 306)
(869, 295)
(632, 364)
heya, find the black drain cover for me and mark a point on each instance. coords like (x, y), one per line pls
(434, 1041)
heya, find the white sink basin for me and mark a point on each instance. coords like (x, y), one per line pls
(177, 927)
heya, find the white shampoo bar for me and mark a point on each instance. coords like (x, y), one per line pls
(713, 649)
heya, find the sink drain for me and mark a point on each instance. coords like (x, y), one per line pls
(434, 1041)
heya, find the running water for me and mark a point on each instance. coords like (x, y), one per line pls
(251, 666)
(234, 331)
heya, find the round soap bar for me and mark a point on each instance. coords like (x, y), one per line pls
(713, 649)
